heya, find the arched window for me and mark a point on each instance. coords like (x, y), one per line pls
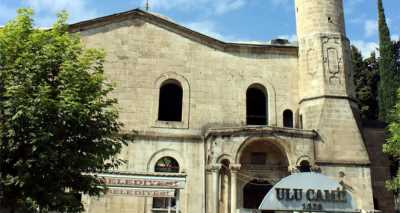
(288, 118)
(170, 101)
(167, 164)
(256, 105)
(162, 204)
(304, 166)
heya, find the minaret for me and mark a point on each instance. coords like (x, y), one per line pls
(326, 85)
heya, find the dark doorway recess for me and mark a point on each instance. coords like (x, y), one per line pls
(288, 118)
(254, 192)
(256, 106)
(170, 102)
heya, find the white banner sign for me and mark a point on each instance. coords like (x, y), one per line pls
(143, 181)
(141, 192)
(309, 192)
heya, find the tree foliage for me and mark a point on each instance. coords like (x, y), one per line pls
(392, 147)
(58, 124)
(366, 77)
(396, 45)
(389, 76)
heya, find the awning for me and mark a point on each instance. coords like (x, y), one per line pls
(308, 192)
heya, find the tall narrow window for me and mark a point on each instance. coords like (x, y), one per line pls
(162, 204)
(170, 102)
(288, 118)
(256, 105)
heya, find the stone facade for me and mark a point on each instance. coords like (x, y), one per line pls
(217, 152)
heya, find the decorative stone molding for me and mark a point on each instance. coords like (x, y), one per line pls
(214, 167)
(333, 59)
(184, 83)
(235, 167)
(166, 153)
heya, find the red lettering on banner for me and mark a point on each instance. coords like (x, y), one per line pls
(141, 193)
(139, 182)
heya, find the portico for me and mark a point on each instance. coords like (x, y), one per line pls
(241, 178)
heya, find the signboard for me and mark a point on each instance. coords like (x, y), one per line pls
(311, 192)
(142, 185)
(141, 192)
(143, 181)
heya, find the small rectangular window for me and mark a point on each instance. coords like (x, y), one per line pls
(258, 158)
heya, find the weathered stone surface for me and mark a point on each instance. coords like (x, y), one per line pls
(212, 143)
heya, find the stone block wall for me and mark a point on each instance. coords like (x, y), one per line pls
(139, 53)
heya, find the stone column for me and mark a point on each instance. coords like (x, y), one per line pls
(178, 201)
(214, 169)
(234, 170)
(225, 191)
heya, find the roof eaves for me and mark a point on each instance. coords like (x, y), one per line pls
(183, 31)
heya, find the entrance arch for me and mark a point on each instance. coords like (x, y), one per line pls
(254, 193)
(263, 163)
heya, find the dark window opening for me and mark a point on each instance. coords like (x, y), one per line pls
(304, 166)
(288, 119)
(167, 164)
(162, 204)
(170, 102)
(254, 192)
(258, 158)
(256, 107)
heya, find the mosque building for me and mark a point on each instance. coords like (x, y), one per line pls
(212, 126)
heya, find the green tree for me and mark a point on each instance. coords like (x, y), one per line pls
(392, 146)
(58, 124)
(366, 80)
(389, 77)
(397, 54)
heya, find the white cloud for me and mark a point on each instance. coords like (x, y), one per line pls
(370, 27)
(216, 6)
(208, 28)
(366, 48)
(78, 10)
(222, 7)
(352, 5)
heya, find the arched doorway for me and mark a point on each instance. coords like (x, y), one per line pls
(263, 163)
(254, 192)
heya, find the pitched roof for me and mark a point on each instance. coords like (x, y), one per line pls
(287, 49)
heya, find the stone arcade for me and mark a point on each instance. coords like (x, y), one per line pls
(228, 120)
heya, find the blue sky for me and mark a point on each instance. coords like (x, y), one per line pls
(228, 20)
